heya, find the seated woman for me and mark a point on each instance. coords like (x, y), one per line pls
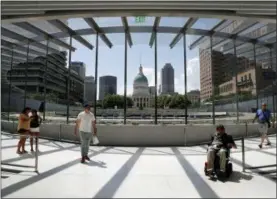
(220, 144)
(23, 129)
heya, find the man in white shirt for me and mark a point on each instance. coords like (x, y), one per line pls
(86, 125)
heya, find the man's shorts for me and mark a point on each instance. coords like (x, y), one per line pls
(263, 128)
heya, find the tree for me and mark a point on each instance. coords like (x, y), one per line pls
(163, 101)
(110, 101)
(130, 102)
(177, 101)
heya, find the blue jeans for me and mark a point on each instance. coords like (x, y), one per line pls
(85, 142)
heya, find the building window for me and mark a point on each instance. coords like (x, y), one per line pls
(241, 79)
(250, 76)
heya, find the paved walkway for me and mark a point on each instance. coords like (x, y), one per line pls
(120, 172)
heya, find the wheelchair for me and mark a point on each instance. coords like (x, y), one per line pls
(216, 169)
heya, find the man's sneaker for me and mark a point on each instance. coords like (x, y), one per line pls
(83, 160)
(268, 144)
(260, 146)
(87, 158)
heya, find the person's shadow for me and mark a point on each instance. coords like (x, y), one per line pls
(236, 177)
(96, 164)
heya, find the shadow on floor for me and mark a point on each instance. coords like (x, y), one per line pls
(237, 176)
(96, 164)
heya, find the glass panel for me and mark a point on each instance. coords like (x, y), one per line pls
(19, 30)
(232, 27)
(141, 81)
(141, 38)
(111, 81)
(141, 21)
(47, 27)
(205, 23)
(9, 39)
(165, 39)
(252, 32)
(193, 78)
(108, 21)
(171, 100)
(77, 23)
(173, 21)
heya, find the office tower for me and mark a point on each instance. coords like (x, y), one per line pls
(207, 69)
(56, 77)
(223, 58)
(80, 68)
(167, 79)
(108, 85)
(89, 89)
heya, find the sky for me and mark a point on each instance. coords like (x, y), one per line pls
(111, 61)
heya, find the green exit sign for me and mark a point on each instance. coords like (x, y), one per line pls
(140, 19)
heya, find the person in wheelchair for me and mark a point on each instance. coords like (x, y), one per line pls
(220, 145)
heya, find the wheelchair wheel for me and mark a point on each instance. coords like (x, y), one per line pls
(229, 170)
(205, 169)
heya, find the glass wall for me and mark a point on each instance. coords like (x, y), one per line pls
(194, 85)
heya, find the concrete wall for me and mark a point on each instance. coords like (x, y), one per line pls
(144, 135)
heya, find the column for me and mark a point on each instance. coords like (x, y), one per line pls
(44, 79)
(125, 77)
(26, 73)
(185, 75)
(96, 73)
(10, 85)
(68, 82)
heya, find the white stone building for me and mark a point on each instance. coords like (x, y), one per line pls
(141, 95)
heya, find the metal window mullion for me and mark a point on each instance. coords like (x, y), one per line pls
(272, 84)
(185, 75)
(236, 79)
(96, 73)
(125, 77)
(10, 85)
(256, 76)
(212, 75)
(26, 73)
(156, 68)
(68, 81)
(44, 78)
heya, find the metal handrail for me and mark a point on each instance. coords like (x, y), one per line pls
(36, 155)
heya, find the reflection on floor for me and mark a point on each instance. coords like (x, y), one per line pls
(115, 172)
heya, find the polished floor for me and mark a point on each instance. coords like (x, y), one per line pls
(121, 172)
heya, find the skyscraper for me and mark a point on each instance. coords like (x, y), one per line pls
(167, 77)
(223, 60)
(80, 68)
(108, 85)
(89, 89)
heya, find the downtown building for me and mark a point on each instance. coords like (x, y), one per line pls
(167, 80)
(221, 63)
(89, 90)
(194, 96)
(6, 62)
(80, 68)
(108, 86)
(56, 77)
